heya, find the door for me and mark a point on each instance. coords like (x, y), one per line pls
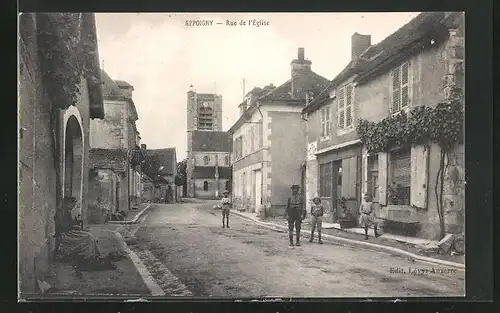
(336, 187)
(258, 190)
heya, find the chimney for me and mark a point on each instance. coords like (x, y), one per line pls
(143, 146)
(359, 44)
(300, 64)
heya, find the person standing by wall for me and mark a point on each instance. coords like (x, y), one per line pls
(317, 212)
(367, 216)
(295, 213)
(226, 205)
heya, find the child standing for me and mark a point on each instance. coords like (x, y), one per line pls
(367, 216)
(226, 205)
(317, 212)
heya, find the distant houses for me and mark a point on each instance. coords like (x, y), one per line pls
(269, 140)
(159, 170)
(115, 154)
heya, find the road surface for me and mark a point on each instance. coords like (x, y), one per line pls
(248, 260)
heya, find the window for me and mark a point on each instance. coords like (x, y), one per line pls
(226, 160)
(205, 185)
(325, 180)
(325, 121)
(345, 104)
(373, 185)
(400, 87)
(252, 138)
(205, 118)
(206, 160)
(400, 177)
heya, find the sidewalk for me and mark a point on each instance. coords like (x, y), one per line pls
(124, 281)
(407, 246)
(133, 216)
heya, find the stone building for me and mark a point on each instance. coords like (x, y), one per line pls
(209, 148)
(115, 155)
(412, 67)
(269, 139)
(53, 131)
(160, 168)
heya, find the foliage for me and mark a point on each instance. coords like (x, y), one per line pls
(63, 48)
(181, 177)
(346, 213)
(138, 156)
(442, 125)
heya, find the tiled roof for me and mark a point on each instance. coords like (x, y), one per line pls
(115, 159)
(209, 172)
(160, 162)
(211, 141)
(306, 81)
(123, 83)
(110, 89)
(384, 51)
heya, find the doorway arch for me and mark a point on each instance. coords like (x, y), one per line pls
(73, 160)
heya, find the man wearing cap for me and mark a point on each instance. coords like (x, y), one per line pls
(226, 205)
(295, 213)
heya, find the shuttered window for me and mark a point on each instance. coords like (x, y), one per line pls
(372, 181)
(325, 180)
(345, 105)
(400, 87)
(400, 177)
(325, 121)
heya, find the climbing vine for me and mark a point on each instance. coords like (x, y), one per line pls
(63, 52)
(62, 49)
(442, 124)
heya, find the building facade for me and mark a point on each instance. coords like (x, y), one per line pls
(395, 76)
(209, 148)
(53, 134)
(269, 140)
(160, 166)
(115, 156)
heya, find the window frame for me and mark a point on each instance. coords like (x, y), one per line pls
(399, 89)
(325, 122)
(342, 95)
(390, 174)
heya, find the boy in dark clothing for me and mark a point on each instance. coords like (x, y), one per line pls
(295, 213)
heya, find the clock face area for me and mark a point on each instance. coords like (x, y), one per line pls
(205, 104)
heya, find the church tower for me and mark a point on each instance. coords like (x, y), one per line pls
(207, 145)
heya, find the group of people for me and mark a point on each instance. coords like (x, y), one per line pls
(296, 213)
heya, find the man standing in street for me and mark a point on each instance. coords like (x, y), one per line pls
(295, 213)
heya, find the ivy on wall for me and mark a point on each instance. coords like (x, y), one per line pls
(442, 124)
(63, 50)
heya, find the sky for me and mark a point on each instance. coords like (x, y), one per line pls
(161, 56)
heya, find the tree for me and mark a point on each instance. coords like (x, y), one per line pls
(181, 177)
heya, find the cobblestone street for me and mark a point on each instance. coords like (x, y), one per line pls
(187, 252)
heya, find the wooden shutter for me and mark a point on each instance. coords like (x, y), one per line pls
(341, 112)
(382, 178)
(261, 134)
(349, 177)
(419, 175)
(396, 92)
(348, 106)
(327, 120)
(405, 78)
(366, 186)
(353, 177)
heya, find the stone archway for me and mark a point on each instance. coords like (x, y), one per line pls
(73, 160)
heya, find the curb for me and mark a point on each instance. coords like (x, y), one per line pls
(154, 288)
(273, 226)
(134, 221)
